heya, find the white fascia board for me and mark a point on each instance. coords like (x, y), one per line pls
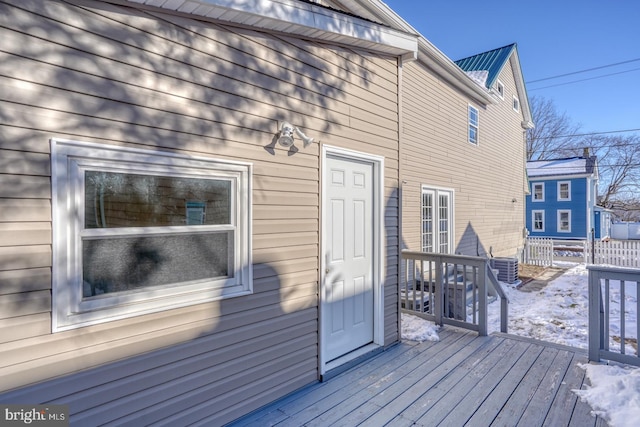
(521, 88)
(533, 178)
(300, 18)
(432, 57)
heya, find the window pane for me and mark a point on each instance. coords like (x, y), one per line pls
(564, 190)
(538, 221)
(124, 264)
(473, 134)
(444, 223)
(427, 222)
(473, 116)
(537, 192)
(127, 200)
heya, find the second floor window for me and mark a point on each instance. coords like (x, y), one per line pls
(473, 125)
(538, 192)
(564, 190)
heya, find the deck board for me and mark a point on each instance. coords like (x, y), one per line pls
(463, 379)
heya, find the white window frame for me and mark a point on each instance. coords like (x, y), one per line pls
(500, 89)
(533, 191)
(564, 199)
(473, 125)
(516, 104)
(560, 212)
(533, 221)
(69, 161)
(436, 219)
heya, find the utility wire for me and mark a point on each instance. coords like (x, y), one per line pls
(589, 134)
(633, 165)
(583, 80)
(583, 71)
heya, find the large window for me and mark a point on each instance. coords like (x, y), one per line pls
(537, 220)
(474, 124)
(437, 220)
(564, 221)
(538, 192)
(139, 231)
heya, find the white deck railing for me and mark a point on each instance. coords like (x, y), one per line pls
(613, 321)
(450, 289)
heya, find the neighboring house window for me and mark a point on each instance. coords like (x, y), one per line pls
(538, 192)
(140, 231)
(500, 89)
(564, 221)
(473, 125)
(437, 212)
(537, 220)
(516, 104)
(564, 190)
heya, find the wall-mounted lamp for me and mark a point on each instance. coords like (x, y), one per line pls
(286, 135)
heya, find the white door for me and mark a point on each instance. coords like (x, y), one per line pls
(348, 293)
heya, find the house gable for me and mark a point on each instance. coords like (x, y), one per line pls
(486, 67)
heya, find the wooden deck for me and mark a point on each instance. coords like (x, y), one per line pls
(464, 379)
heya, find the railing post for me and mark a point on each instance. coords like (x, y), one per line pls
(439, 288)
(483, 312)
(595, 302)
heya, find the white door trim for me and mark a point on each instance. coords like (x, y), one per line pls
(378, 248)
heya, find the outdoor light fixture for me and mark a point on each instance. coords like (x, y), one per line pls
(287, 131)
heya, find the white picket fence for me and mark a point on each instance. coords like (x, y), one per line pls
(619, 253)
(538, 251)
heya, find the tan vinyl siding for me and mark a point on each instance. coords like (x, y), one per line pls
(484, 178)
(103, 73)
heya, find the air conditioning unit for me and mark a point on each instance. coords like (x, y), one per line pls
(507, 269)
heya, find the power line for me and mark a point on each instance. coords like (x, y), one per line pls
(633, 165)
(589, 134)
(584, 80)
(583, 71)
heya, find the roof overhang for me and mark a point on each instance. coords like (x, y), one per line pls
(297, 18)
(521, 88)
(557, 177)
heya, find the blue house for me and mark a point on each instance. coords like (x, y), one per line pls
(562, 199)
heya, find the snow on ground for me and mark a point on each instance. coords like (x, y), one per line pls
(559, 313)
(415, 328)
(614, 394)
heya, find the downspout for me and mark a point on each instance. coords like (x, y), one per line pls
(400, 182)
(412, 56)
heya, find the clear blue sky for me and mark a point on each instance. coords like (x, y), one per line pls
(554, 37)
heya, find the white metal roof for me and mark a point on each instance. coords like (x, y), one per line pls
(560, 167)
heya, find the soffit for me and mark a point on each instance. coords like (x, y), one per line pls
(304, 19)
